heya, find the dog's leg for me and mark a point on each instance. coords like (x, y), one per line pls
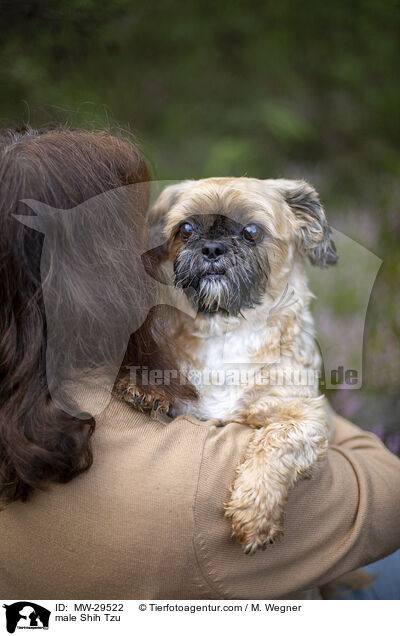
(292, 439)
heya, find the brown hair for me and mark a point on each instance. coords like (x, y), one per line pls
(62, 168)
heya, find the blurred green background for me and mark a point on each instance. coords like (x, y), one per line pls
(264, 89)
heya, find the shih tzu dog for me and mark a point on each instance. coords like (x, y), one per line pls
(235, 247)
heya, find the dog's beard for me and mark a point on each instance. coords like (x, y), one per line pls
(234, 282)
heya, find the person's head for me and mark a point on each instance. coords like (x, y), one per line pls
(70, 291)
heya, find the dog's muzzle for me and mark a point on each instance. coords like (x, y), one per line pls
(217, 277)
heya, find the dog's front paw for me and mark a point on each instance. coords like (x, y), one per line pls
(257, 514)
(254, 529)
(143, 401)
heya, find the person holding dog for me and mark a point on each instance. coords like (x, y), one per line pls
(103, 501)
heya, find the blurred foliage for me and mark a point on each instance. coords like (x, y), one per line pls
(264, 89)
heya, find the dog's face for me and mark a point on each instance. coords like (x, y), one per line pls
(219, 262)
(233, 240)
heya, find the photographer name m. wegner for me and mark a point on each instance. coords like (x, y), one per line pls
(218, 607)
(234, 376)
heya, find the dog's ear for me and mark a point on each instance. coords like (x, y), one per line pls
(153, 258)
(312, 228)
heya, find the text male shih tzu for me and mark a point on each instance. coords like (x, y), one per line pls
(236, 248)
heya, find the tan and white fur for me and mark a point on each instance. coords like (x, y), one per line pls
(270, 336)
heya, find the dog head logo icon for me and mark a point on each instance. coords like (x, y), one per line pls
(26, 615)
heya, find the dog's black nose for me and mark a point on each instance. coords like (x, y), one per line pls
(212, 250)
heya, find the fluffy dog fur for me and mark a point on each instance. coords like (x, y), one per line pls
(253, 301)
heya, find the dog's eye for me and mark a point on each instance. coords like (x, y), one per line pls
(186, 231)
(251, 233)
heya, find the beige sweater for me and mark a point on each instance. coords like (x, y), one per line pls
(146, 521)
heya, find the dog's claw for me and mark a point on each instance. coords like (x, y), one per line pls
(143, 401)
